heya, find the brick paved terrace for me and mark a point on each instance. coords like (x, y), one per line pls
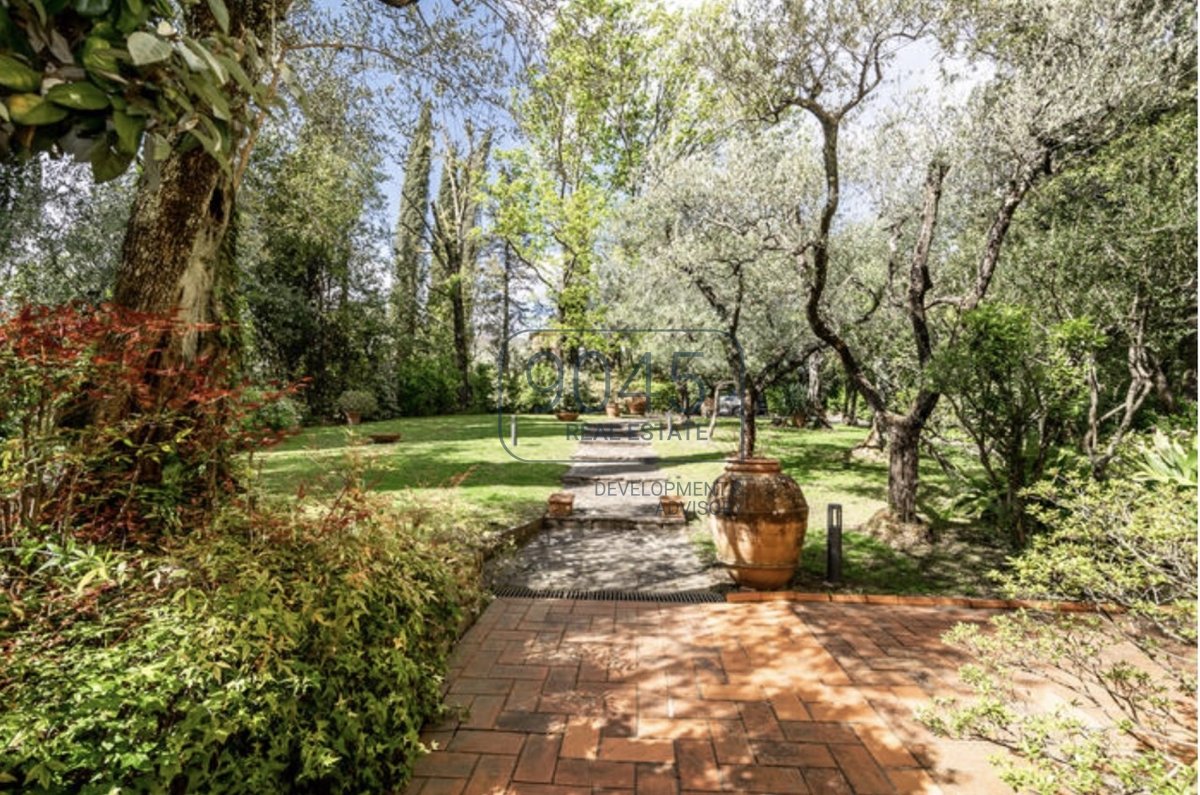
(560, 697)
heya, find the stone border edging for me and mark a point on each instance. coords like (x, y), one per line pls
(921, 601)
(518, 534)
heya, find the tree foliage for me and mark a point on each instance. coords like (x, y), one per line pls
(311, 285)
(94, 78)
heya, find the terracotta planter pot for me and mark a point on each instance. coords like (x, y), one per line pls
(567, 416)
(612, 410)
(561, 504)
(636, 405)
(758, 523)
(353, 418)
(670, 507)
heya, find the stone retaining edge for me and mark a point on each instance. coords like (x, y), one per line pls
(922, 601)
(518, 534)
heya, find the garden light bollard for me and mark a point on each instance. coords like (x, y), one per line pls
(833, 543)
(513, 429)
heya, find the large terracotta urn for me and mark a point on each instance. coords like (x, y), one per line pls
(758, 518)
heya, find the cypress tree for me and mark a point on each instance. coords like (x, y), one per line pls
(410, 233)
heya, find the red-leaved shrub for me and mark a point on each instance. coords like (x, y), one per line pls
(101, 437)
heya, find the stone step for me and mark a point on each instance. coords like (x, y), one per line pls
(582, 521)
(582, 481)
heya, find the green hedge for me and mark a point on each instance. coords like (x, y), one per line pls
(292, 651)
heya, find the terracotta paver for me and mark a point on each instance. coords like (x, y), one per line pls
(564, 696)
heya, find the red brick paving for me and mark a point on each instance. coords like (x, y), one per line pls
(560, 697)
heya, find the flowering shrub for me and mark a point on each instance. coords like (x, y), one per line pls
(100, 438)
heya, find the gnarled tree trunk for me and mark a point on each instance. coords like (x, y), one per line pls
(904, 438)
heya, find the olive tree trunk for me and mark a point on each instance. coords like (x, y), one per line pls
(904, 438)
(749, 420)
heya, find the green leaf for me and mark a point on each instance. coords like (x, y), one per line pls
(129, 132)
(133, 16)
(213, 64)
(107, 165)
(33, 111)
(146, 48)
(220, 13)
(159, 148)
(237, 72)
(92, 8)
(40, 9)
(194, 62)
(18, 76)
(213, 96)
(79, 96)
(209, 137)
(99, 56)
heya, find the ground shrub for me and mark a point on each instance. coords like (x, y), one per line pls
(275, 413)
(358, 402)
(427, 386)
(1127, 543)
(296, 649)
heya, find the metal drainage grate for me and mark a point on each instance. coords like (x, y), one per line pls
(686, 597)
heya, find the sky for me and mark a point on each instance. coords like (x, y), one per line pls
(916, 68)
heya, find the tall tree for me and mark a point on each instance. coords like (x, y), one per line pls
(609, 86)
(715, 226)
(171, 262)
(456, 244)
(1065, 77)
(1110, 245)
(308, 244)
(412, 228)
(198, 88)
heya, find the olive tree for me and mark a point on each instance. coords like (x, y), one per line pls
(710, 234)
(1063, 79)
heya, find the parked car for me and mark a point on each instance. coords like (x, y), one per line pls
(731, 406)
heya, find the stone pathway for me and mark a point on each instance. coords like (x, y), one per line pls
(559, 697)
(617, 538)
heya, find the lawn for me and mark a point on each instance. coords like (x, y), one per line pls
(819, 460)
(457, 465)
(455, 462)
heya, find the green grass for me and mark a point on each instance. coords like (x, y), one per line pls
(457, 465)
(457, 462)
(819, 462)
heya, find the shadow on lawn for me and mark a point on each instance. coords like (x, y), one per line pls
(449, 429)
